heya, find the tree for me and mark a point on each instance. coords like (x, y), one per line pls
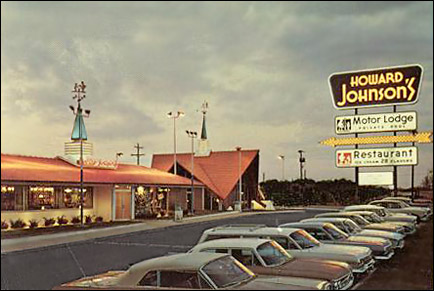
(427, 181)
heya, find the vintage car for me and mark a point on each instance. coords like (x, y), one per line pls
(412, 202)
(328, 233)
(406, 220)
(298, 243)
(191, 271)
(395, 206)
(265, 257)
(363, 223)
(351, 228)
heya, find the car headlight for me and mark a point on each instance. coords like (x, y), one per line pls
(327, 286)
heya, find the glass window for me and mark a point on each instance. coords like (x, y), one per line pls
(282, 241)
(150, 279)
(12, 198)
(317, 233)
(216, 251)
(273, 254)
(245, 256)
(71, 197)
(335, 232)
(41, 198)
(227, 271)
(175, 279)
(304, 240)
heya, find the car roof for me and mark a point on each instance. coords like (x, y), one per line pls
(337, 219)
(360, 212)
(343, 214)
(232, 243)
(365, 206)
(257, 230)
(184, 262)
(304, 224)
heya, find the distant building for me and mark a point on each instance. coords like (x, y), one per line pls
(219, 171)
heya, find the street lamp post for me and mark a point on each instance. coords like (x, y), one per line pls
(282, 157)
(174, 115)
(240, 178)
(79, 94)
(192, 135)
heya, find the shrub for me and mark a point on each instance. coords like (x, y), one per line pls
(5, 225)
(99, 219)
(17, 223)
(76, 220)
(33, 223)
(88, 219)
(49, 221)
(61, 220)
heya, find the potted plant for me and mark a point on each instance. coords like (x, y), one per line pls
(99, 219)
(75, 220)
(19, 223)
(5, 225)
(33, 223)
(62, 220)
(88, 219)
(49, 221)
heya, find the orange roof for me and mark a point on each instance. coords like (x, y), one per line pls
(40, 169)
(218, 171)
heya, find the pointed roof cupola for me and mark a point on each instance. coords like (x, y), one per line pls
(203, 148)
(79, 130)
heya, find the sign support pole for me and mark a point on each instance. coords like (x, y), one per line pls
(412, 181)
(395, 168)
(357, 168)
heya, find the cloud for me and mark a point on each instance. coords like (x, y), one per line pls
(262, 66)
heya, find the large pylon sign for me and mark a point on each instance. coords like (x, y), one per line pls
(376, 87)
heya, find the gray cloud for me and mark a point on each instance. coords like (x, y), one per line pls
(262, 66)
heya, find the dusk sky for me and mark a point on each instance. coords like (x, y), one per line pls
(263, 67)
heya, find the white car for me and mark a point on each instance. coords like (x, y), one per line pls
(298, 243)
(395, 206)
(351, 228)
(407, 221)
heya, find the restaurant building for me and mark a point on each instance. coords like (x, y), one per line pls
(41, 187)
(38, 187)
(222, 172)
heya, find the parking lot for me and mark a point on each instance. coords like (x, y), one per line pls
(45, 268)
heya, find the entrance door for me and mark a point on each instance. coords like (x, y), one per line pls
(123, 205)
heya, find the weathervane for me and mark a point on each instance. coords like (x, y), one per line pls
(79, 91)
(204, 107)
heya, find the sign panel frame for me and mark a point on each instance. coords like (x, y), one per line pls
(381, 71)
(375, 178)
(347, 158)
(375, 120)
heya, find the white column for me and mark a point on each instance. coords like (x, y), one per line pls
(133, 202)
(114, 203)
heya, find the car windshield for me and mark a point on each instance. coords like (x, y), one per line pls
(368, 218)
(359, 220)
(376, 217)
(304, 240)
(352, 226)
(273, 254)
(227, 271)
(334, 231)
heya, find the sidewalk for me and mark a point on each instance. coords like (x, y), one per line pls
(26, 243)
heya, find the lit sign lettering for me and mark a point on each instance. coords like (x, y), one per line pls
(377, 157)
(377, 87)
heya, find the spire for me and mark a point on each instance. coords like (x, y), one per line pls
(203, 134)
(203, 148)
(79, 122)
(204, 110)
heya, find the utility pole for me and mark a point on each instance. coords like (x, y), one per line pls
(302, 160)
(138, 154)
